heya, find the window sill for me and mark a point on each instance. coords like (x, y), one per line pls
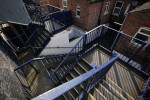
(115, 14)
(77, 16)
(105, 13)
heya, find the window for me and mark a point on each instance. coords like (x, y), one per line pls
(92, 1)
(78, 11)
(64, 2)
(107, 7)
(143, 34)
(45, 2)
(117, 8)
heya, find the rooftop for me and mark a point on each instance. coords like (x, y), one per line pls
(145, 6)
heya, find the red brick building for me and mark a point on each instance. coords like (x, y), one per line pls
(137, 24)
(88, 14)
(52, 2)
(85, 12)
(136, 20)
(121, 7)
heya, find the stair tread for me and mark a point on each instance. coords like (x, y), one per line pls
(113, 91)
(117, 88)
(83, 67)
(103, 90)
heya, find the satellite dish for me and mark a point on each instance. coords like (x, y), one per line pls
(134, 3)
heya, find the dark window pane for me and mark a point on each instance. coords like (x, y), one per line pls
(141, 37)
(119, 4)
(65, 8)
(145, 31)
(78, 13)
(45, 1)
(117, 11)
(64, 3)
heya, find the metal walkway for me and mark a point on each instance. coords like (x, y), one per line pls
(120, 75)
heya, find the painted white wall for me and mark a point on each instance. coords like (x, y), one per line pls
(61, 39)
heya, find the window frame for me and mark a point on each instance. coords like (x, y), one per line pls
(117, 8)
(64, 6)
(139, 32)
(78, 16)
(45, 1)
(107, 8)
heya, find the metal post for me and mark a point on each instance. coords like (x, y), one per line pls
(101, 35)
(84, 44)
(53, 9)
(34, 68)
(56, 77)
(137, 51)
(116, 41)
(52, 25)
(49, 8)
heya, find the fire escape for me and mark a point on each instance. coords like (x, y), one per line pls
(104, 63)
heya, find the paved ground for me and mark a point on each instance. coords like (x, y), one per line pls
(10, 87)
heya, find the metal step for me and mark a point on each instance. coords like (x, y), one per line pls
(113, 91)
(41, 38)
(117, 88)
(82, 66)
(106, 93)
(79, 70)
(70, 95)
(96, 94)
(44, 36)
(90, 97)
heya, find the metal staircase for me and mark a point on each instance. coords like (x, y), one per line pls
(87, 72)
(40, 40)
(106, 89)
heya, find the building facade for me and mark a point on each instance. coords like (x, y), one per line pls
(88, 14)
(137, 24)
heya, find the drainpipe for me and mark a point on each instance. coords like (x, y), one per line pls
(99, 20)
(126, 15)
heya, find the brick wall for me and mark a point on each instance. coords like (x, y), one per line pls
(135, 20)
(121, 16)
(105, 17)
(94, 14)
(89, 13)
(54, 2)
(51, 2)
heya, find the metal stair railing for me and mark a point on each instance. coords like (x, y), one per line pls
(31, 65)
(87, 41)
(89, 79)
(134, 51)
(53, 9)
(145, 91)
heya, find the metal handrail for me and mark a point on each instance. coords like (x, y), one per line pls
(51, 94)
(126, 34)
(74, 48)
(36, 59)
(69, 53)
(144, 90)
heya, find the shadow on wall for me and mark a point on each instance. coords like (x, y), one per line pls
(63, 42)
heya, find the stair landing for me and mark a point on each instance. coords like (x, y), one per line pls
(120, 74)
(38, 83)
